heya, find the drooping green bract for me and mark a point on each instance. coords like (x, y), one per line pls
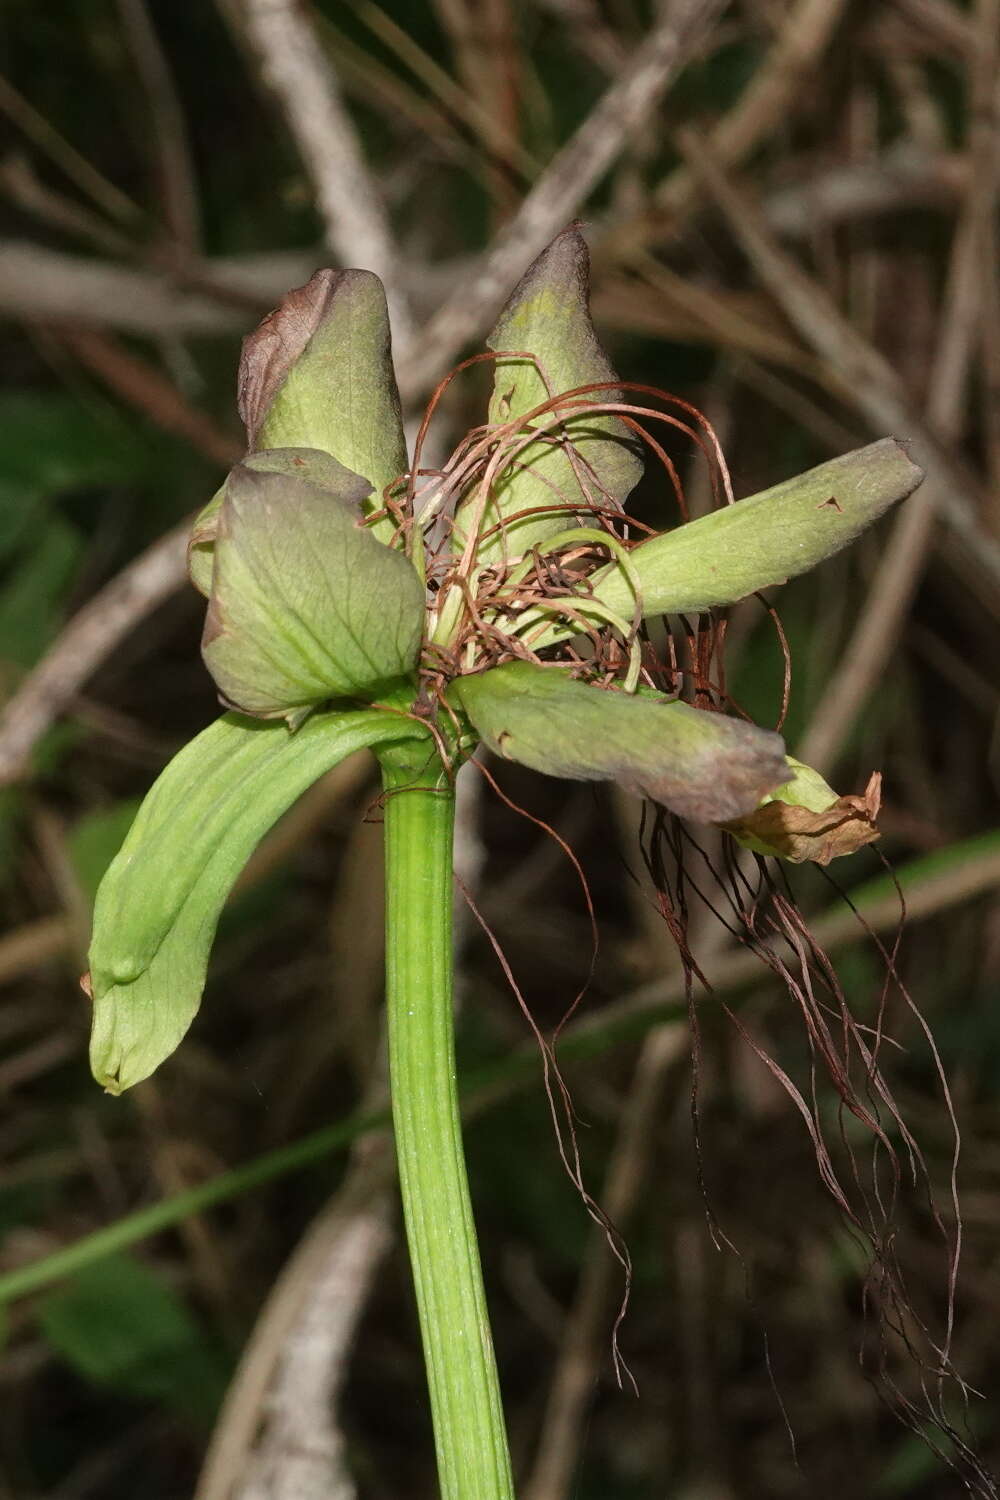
(701, 765)
(306, 605)
(160, 900)
(582, 459)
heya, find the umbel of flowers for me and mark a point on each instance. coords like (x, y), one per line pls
(354, 600)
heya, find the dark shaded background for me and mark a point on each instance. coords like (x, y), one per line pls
(832, 278)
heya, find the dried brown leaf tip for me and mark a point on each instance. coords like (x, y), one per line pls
(798, 833)
(274, 346)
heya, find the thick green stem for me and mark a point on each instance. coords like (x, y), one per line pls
(469, 1432)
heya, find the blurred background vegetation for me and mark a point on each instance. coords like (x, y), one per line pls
(794, 227)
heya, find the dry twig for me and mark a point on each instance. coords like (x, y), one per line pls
(141, 385)
(563, 187)
(765, 102)
(169, 136)
(277, 1437)
(88, 640)
(205, 297)
(357, 226)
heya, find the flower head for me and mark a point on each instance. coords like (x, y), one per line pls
(363, 600)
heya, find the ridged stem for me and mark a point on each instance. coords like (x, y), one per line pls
(469, 1432)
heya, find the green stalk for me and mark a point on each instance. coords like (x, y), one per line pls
(469, 1432)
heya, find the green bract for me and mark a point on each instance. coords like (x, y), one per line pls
(160, 900)
(318, 373)
(306, 604)
(298, 463)
(316, 378)
(763, 540)
(582, 456)
(701, 765)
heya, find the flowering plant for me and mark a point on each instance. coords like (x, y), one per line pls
(355, 599)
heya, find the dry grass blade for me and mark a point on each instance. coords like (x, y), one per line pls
(27, 191)
(764, 104)
(495, 133)
(76, 168)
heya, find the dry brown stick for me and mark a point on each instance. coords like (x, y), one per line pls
(293, 1364)
(984, 131)
(867, 380)
(484, 46)
(765, 102)
(589, 31)
(760, 108)
(96, 629)
(945, 24)
(39, 284)
(497, 140)
(385, 88)
(140, 384)
(905, 176)
(562, 188)
(77, 168)
(727, 318)
(586, 1327)
(357, 226)
(25, 188)
(303, 1454)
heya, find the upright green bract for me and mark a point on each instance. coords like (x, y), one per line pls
(318, 374)
(547, 346)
